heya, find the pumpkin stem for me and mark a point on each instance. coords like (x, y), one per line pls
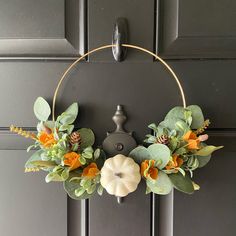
(118, 175)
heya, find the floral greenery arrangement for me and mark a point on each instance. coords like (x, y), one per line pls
(168, 159)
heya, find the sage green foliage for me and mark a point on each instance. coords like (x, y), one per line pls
(175, 125)
(35, 157)
(74, 192)
(51, 159)
(82, 187)
(42, 109)
(202, 161)
(162, 185)
(207, 150)
(87, 137)
(182, 183)
(58, 173)
(158, 152)
(65, 121)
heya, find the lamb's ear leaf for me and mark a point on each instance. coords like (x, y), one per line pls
(36, 156)
(160, 153)
(69, 115)
(197, 116)
(42, 109)
(162, 185)
(182, 183)
(140, 154)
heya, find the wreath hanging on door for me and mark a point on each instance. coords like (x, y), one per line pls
(167, 160)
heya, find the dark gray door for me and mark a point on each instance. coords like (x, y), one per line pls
(38, 41)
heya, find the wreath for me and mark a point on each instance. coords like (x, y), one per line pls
(167, 159)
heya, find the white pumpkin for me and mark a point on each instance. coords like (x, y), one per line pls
(120, 175)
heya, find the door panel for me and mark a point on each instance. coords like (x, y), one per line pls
(107, 217)
(211, 211)
(197, 29)
(102, 15)
(42, 29)
(178, 30)
(29, 206)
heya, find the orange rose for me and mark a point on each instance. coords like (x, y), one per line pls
(71, 159)
(191, 138)
(175, 163)
(47, 139)
(152, 172)
(90, 171)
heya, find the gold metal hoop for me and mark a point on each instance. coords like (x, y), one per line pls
(110, 46)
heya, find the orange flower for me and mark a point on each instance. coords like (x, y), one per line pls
(175, 163)
(71, 159)
(191, 138)
(90, 171)
(47, 139)
(152, 172)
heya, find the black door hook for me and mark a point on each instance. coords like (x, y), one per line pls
(120, 36)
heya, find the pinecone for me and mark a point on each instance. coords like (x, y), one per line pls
(75, 138)
(163, 139)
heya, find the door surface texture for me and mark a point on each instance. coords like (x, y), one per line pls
(40, 39)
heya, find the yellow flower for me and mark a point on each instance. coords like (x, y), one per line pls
(71, 159)
(90, 171)
(152, 172)
(47, 139)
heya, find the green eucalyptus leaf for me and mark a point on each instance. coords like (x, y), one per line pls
(197, 116)
(75, 147)
(181, 151)
(79, 192)
(182, 183)
(100, 190)
(87, 155)
(140, 154)
(172, 123)
(176, 112)
(203, 160)
(65, 174)
(160, 152)
(49, 124)
(87, 137)
(97, 153)
(70, 188)
(162, 185)
(35, 157)
(91, 189)
(53, 176)
(45, 164)
(150, 139)
(82, 160)
(207, 150)
(102, 158)
(42, 109)
(66, 119)
(85, 182)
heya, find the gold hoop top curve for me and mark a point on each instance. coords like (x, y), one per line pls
(110, 46)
